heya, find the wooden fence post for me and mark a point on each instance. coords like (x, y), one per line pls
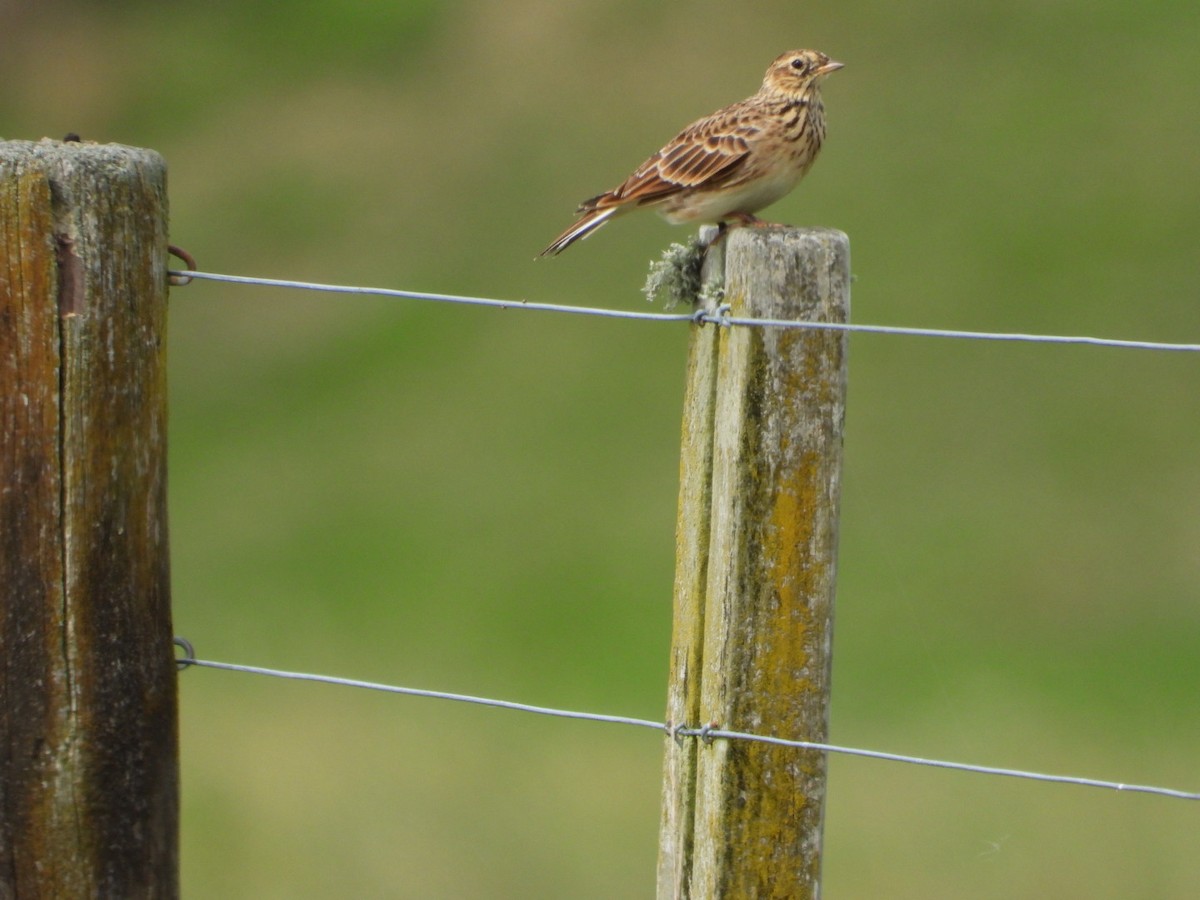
(755, 572)
(89, 777)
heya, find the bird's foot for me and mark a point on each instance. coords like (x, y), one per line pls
(741, 220)
(744, 220)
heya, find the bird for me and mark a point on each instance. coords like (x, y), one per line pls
(727, 166)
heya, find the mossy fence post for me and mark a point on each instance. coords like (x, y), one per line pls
(89, 772)
(755, 573)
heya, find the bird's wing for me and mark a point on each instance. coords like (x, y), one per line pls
(708, 153)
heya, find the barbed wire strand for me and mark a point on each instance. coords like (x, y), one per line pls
(706, 733)
(717, 317)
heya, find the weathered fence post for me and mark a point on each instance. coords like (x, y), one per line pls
(755, 572)
(89, 778)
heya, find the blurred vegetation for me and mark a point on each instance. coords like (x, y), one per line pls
(484, 502)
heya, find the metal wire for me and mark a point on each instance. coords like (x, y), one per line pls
(706, 733)
(716, 317)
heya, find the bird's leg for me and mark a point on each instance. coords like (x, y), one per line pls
(730, 222)
(743, 219)
(715, 236)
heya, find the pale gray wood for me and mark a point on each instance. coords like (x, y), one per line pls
(691, 568)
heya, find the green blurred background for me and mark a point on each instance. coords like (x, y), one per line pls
(483, 501)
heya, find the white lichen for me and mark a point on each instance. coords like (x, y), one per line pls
(676, 277)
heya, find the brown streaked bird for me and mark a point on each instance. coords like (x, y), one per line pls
(729, 165)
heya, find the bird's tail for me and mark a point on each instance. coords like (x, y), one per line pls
(585, 225)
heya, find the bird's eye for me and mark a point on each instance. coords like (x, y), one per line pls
(798, 64)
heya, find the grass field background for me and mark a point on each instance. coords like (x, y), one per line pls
(483, 501)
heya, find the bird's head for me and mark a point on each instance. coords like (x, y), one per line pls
(796, 72)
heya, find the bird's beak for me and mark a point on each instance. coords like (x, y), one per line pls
(832, 66)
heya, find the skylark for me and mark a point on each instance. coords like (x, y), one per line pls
(729, 165)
